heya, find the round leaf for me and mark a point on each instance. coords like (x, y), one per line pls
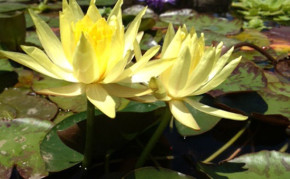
(19, 146)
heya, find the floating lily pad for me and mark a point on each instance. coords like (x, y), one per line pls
(46, 82)
(206, 122)
(27, 105)
(19, 146)
(12, 31)
(264, 164)
(246, 77)
(74, 104)
(202, 22)
(5, 65)
(277, 103)
(7, 7)
(160, 173)
(253, 36)
(59, 156)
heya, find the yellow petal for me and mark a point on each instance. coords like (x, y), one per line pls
(179, 73)
(132, 30)
(85, 62)
(28, 61)
(173, 48)
(214, 111)
(181, 113)
(124, 91)
(137, 51)
(93, 12)
(152, 69)
(135, 68)
(220, 63)
(41, 58)
(219, 78)
(168, 38)
(201, 72)
(117, 12)
(76, 9)
(69, 90)
(117, 70)
(101, 99)
(50, 42)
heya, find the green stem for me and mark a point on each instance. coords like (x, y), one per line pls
(89, 135)
(165, 118)
(227, 145)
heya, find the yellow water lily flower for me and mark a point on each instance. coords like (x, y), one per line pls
(94, 54)
(196, 70)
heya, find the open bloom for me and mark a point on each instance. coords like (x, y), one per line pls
(94, 54)
(195, 71)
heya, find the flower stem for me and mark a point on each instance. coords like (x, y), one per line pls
(228, 144)
(89, 135)
(165, 118)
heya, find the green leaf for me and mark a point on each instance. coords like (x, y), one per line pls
(202, 22)
(5, 65)
(7, 7)
(74, 104)
(206, 122)
(105, 2)
(46, 82)
(57, 155)
(246, 77)
(12, 31)
(260, 165)
(110, 134)
(19, 146)
(277, 103)
(160, 173)
(253, 36)
(28, 105)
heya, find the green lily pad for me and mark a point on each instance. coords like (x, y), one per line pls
(19, 146)
(253, 36)
(59, 156)
(264, 164)
(74, 104)
(210, 37)
(160, 173)
(5, 65)
(45, 82)
(7, 112)
(246, 77)
(7, 7)
(12, 31)
(27, 105)
(280, 88)
(277, 103)
(205, 121)
(201, 22)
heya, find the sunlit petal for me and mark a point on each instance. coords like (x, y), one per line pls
(50, 42)
(69, 90)
(214, 111)
(85, 62)
(180, 73)
(101, 99)
(181, 113)
(132, 31)
(28, 61)
(124, 91)
(93, 11)
(41, 58)
(168, 38)
(219, 78)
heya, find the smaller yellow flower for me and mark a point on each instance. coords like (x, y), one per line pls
(195, 71)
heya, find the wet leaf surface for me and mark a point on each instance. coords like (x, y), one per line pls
(264, 164)
(27, 105)
(110, 134)
(246, 77)
(160, 173)
(19, 147)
